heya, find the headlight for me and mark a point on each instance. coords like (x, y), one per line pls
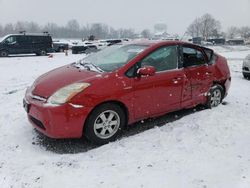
(64, 94)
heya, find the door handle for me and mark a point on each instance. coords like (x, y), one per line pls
(176, 80)
(208, 73)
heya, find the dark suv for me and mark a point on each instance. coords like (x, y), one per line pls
(25, 44)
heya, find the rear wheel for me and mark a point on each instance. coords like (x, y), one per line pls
(61, 50)
(215, 96)
(4, 53)
(41, 53)
(245, 76)
(105, 123)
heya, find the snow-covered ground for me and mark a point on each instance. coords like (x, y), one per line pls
(195, 149)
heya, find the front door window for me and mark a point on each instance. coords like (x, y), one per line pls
(163, 59)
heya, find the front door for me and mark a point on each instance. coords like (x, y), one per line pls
(161, 92)
(12, 45)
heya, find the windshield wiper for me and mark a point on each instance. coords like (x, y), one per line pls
(89, 66)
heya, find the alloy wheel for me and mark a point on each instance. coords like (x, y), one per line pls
(106, 124)
(216, 96)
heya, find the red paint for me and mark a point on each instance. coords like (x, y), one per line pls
(142, 96)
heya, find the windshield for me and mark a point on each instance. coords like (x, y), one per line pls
(3, 38)
(114, 57)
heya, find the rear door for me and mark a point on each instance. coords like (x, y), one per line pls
(198, 72)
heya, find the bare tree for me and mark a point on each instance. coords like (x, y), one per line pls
(245, 32)
(146, 33)
(9, 28)
(126, 33)
(232, 32)
(73, 25)
(205, 26)
(71, 30)
(160, 27)
(194, 29)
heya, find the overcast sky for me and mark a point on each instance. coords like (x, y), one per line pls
(137, 14)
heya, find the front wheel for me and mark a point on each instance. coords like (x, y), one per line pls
(3, 53)
(215, 96)
(105, 124)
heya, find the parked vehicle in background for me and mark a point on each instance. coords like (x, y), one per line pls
(113, 41)
(85, 48)
(24, 43)
(247, 42)
(206, 43)
(246, 67)
(217, 41)
(235, 41)
(124, 83)
(197, 40)
(60, 46)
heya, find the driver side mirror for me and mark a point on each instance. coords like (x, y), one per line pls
(146, 71)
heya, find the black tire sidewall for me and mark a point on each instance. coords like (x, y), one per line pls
(89, 124)
(4, 51)
(43, 53)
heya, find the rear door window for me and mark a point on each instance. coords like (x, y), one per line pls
(193, 57)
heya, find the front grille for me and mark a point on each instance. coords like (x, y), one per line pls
(37, 122)
(245, 68)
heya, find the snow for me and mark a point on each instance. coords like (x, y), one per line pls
(196, 148)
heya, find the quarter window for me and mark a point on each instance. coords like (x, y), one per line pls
(193, 57)
(165, 58)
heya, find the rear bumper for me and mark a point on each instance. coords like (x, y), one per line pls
(227, 86)
(64, 121)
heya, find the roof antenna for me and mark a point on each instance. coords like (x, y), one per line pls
(46, 32)
(22, 32)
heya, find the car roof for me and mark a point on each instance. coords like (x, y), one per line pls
(28, 34)
(158, 42)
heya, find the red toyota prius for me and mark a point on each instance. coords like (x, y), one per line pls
(102, 93)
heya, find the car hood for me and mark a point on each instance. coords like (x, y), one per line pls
(50, 82)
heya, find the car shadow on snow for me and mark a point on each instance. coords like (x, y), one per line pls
(72, 146)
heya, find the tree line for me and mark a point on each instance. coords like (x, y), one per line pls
(71, 30)
(207, 27)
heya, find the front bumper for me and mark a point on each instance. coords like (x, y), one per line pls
(64, 121)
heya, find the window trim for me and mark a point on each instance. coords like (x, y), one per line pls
(179, 61)
(196, 48)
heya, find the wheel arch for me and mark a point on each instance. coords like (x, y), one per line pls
(5, 50)
(222, 84)
(116, 102)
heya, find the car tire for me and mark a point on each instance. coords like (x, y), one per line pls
(42, 53)
(215, 96)
(245, 76)
(105, 124)
(61, 50)
(4, 53)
